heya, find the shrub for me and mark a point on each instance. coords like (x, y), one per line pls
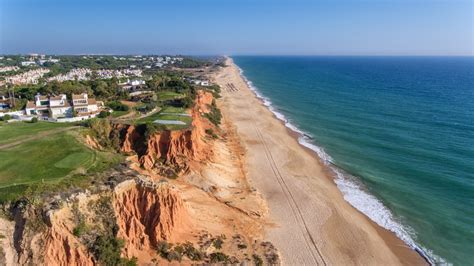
(174, 255)
(215, 90)
(217, 243)
(257, 260)
(242, 246)
(162, 247)
(152, 128)
(6, 117)
(211, 133)
(79, 229)
(107, 249)
(218, 257)
(214, 115)
(103, 114)
(117, 106)
(192, 253)
(101, 129)
(34, 120)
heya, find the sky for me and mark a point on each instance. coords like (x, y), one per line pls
(238, 27)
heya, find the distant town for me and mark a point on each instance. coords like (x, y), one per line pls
(69, 88)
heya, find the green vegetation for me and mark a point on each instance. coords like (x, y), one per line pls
(79, 229)
(167, 251)
(211, 133)
(257, 260)
(169, 113)
(169, 95)
(16, 131)
(218, 257)
(45, 162)
(47, 159)
(103, 114)
(5, 117)
(117, 106)
(214, 115)
(217, 243)
(101, 130)
(105, 246)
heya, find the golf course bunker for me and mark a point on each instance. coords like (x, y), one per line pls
(169, 122)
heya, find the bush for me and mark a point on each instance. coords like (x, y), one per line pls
(217, 243)
(117, 106)
(79, 229)
(103, 114)
(192, 253)
(218, 257)
(257, 260)
(211, 133)
(162, 247)
(152, 128)
(34, 120)
(6, 117)
(214, 115)
(107, 249)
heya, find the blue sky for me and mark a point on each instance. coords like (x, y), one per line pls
(290, 27)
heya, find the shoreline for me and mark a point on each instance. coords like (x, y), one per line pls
(331, 170)
(402, 253)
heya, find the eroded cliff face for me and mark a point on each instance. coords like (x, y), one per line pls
(147, 209)
(61, 246)
(147, 213)
(176, 148)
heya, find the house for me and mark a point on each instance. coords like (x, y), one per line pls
(199, 82)
(59, 107)
(132, 84)
(84, 106)
(49, 106)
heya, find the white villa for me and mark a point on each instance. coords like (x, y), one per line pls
(60, 107)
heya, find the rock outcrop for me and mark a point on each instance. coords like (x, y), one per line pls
(147, 214)
(61, 246)
(177, 148)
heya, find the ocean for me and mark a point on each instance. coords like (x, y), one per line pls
(398, 133)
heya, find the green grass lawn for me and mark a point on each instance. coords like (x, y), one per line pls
(116, 114)
(169, 113)
(169, 95)
(49, 160)
(19, 130)
(172, 109)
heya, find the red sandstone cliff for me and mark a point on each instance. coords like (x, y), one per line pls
(176, 148)
(146, 214)
(61, 247)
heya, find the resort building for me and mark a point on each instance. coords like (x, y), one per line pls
(83, 105)
(59, 107)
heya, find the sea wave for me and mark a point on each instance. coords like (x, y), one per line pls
(353, 190)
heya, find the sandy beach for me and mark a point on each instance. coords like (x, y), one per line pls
(309, 221)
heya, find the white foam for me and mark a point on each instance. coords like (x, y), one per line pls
(353, 190)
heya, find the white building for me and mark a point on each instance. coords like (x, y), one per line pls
(84, 106)
(200, 82)
(28, 63)
(59, 107)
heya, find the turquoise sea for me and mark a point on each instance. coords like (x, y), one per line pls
(398, 133)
